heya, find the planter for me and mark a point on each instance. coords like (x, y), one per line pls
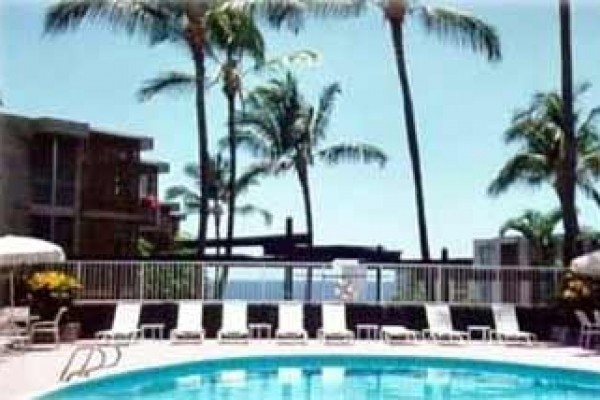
(46, 303)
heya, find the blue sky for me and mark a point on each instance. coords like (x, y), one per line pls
(463, 104)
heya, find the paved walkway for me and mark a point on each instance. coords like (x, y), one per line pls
(37, 370)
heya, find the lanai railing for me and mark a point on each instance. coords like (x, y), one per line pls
(276, 280)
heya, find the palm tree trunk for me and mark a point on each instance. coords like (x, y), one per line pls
(230, 93)
(232, 173)
(396, 29)
(194, 34)
(231, 190)
(305, 187)
(217, 216)
(204, 159)
(568, 179)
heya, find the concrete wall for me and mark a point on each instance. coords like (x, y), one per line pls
(14, 175)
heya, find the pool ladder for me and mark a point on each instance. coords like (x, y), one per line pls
(89, 350)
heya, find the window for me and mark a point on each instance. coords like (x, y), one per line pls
(484, 254)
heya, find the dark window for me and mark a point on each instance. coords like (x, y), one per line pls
(509, 254)
(41, 169)
(65, 171)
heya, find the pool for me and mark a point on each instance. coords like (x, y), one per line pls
(339, 377)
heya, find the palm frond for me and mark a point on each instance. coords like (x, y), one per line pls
(192, 171)
(250, 142)
(302, 58)
(234, 31)
(180, 192)
(172, 82)
(152, 19)
(353, 152)
(292, 14)
(249, 209)
(462, 29)
(523, 167)
(249, 177)
(588, 189)
(324, 110)
(535, 226)
(518, 225)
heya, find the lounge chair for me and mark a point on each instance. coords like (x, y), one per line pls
(125, 323)
(393, 334)
(17, 320)
(49, 327)
(507, 325)
(588, 329)
(291, 323)
(234, 325)
(439, 320)
(334, 328)
(189, 322)
(11, 334)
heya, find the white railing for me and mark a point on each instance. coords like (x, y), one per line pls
(275, 280)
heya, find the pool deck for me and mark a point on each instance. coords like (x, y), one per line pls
(24, 374)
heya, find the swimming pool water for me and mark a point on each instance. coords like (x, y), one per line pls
(340, 377)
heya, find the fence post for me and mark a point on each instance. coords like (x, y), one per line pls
(496, 286)
(438, 283)
(378, 284)
(78, 276)
(141, 272)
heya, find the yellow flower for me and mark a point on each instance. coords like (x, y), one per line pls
(54, 281)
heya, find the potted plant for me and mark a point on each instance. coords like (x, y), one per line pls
(51, 290)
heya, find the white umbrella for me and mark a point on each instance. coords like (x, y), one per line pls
(22, 250)
(587, 264)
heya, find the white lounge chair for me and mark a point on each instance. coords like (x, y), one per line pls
(334, 328)
(291, 323)
(49, 327)
(588, 329)
(507, 325)
(393, 334)
(189, 322)
(125, 323)
(439, 320)
(234, 324)
(12, 335)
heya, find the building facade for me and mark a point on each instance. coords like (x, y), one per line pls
(81, 187)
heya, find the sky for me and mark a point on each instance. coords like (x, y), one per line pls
(463, 104)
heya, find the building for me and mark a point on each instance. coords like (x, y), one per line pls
(505, 250)
(84, 188)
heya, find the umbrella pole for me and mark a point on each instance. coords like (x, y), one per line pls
(12, 287)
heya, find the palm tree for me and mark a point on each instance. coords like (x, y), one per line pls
(231, 76)
(234, 34)
(540, 159)
(287, 133)
(451, 25)
(218, 189)
(538, 228)
(567, 179)
(158, 21)
(456, 26)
